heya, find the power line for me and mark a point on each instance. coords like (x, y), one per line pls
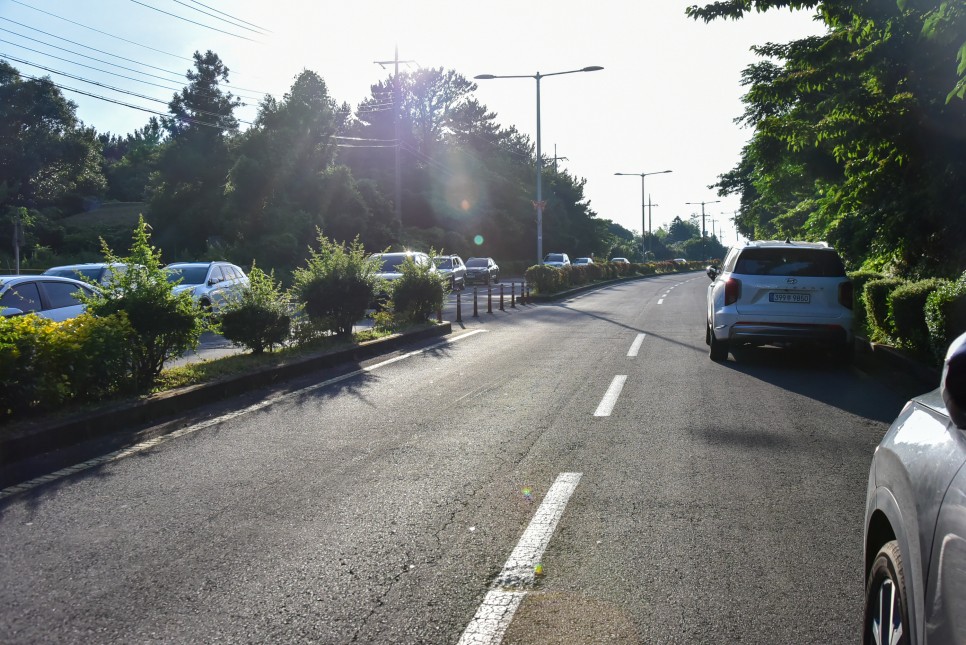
(231, 16)
(194, 22)
(160, 51)
(110, 87)
(129, 105)
(258, 31)
(103, 71)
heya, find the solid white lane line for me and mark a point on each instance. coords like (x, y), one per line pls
(151, 443)
(661, 301)
(636, 346)
(610, 397)
(501, 602)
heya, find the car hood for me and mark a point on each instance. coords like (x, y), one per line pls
(184, 287)
(389, 276)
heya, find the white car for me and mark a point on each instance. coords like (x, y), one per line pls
(50, 297)
(559, 260)
(583, 261)
(210, 283)
(95, 272)
(780, 293)
(620, 261)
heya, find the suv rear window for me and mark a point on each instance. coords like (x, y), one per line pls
(813, 263)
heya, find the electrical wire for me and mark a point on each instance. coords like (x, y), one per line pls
(231, 16)
(194, 22)
(233, 24)
(130, 69)
(160, 51)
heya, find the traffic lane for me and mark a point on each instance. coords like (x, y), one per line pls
(715, 503)
(374, 510)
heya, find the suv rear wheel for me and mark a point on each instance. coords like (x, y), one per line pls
(719, 348)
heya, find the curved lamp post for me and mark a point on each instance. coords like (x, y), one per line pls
(539, 202)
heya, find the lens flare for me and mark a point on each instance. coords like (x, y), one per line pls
(478, 240)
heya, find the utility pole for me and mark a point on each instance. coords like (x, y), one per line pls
(713, 222)
(650, 235)
(396, 107)
(556, 158)
(704, 231)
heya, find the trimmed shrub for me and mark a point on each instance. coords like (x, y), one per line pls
(946, 315)
(596, 272)
(544, 279)
(876, 298)
(419, 293)
(165, 324)
(860, 317)
(336, 286)
(258, 319)
(907, 312)
(51, 363)
(576, 276)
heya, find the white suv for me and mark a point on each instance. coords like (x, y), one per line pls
(210, 283)
(780, 293)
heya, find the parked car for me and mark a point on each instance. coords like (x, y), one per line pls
(390, 270)
(583, 261)
(780, 293)
(51, 297)
(558, 260)
(915, 518)
(96, 272)
(452, 269)
(620, 260)
(210, 283)
(483, 270)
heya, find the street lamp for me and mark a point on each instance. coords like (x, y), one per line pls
(642, 175)
(538, 204)
(704, 232)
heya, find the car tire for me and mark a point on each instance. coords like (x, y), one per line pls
(496, 278)
(719, 348)
(707, 334)
(887, 585)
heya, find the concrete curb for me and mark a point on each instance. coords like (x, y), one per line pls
(928, 375)
(52, 435)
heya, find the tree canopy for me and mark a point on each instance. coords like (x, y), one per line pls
(858, 135)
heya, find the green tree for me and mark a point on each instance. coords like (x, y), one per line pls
(858, 134)
(47, 157)
(188, 201)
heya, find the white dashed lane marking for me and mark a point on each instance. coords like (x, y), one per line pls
(501, 602)
(636, 345)
(610, 397)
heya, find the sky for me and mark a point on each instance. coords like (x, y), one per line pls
(665, 100)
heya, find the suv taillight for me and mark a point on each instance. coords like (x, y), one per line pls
(732, 291)
(845, 294)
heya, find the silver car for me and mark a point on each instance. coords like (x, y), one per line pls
(50, 297)
(915, 519)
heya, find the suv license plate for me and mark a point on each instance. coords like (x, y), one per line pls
(800, 298)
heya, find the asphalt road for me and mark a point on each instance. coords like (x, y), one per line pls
(413, 500)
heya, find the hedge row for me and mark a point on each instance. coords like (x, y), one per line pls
(547, 279)
(923, 316)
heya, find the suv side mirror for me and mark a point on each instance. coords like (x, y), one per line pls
(712, 272)
(953, 385)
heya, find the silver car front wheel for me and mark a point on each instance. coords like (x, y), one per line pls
(886, 617)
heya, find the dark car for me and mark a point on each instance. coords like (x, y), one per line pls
(482, 270)
(915, 518)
